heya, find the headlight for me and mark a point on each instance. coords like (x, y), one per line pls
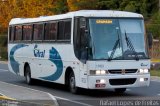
(142, 71)
(98, 72)
(103, 72)
(146, 71)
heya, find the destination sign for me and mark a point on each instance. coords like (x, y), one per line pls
(103, 21)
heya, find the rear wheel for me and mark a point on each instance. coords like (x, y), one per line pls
(28, 75)
(120, 90)
(72, 84)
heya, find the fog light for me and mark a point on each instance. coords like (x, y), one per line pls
(145, 79)
(141, 79)
(102, 81)
(97, 81)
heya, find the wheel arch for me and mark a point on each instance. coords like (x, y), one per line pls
(25, 65)
(67, 73)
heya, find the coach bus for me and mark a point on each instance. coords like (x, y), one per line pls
(92, 49)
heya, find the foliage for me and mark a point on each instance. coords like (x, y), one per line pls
(60, 6)
(33, 8)
(155, 73)
(154, 25)
(22, 8)
(3, 49)
(3, 53)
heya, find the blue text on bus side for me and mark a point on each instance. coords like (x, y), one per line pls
(37, 52)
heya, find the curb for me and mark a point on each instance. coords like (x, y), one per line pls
(3, 97)
(49, 102)
(155, 78)
(4, 62)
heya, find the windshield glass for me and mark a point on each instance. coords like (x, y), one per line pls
(134, 30)
(105, 33)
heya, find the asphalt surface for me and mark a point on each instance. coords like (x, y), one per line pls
(136, 96)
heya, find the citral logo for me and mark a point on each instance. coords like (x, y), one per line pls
(37, 52)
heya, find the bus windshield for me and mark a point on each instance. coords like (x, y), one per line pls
(106, 32)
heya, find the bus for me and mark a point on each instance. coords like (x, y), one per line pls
(90, 49)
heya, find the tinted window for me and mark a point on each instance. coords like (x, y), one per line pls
(67, 31)
(64, 30)
(11, 33)
(60, 30)
(18, 32)
(50, 31)
(38, 32)
(77, 38)
(27, 32)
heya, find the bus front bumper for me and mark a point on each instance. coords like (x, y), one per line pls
(118, 81)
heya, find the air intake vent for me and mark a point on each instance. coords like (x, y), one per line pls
(122, 71)
(126, 81)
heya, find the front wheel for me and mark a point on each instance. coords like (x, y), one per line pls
(120, 90)
(28, 75)
(72, 84)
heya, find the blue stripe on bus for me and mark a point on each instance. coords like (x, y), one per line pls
(55, 58)
(14, 64)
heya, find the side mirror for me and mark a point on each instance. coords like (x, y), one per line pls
(82, 23)
(150, 40)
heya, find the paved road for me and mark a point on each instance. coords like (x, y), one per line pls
(87, 97)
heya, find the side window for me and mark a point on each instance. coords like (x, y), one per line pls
(11, 33)
(38, 32)
(80, 40)
(27, 32)
(50, 31)
(77, 38)
(64, 30)
(67, 30)
(60, 30)
(18, 32)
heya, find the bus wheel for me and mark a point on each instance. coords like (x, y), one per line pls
(120, 90)
(28, 75)
(72, 84)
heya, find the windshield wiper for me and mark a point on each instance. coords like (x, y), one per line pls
(117, 43)
(130, 45)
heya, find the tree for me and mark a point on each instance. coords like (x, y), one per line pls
(154, 24)
(81, 4)
(22, 9)
(108, 4)
(60, 6)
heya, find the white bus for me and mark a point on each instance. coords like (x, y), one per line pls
(92, 49)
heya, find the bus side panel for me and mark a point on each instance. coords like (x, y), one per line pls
(47, 62)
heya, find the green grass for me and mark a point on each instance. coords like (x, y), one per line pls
(155, 73)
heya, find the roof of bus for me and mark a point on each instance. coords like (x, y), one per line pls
(85, 13)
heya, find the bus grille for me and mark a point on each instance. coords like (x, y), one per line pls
(122, 71)
(126, 81)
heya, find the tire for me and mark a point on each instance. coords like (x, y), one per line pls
(72, 84)
(120, 90)
(29, 80)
